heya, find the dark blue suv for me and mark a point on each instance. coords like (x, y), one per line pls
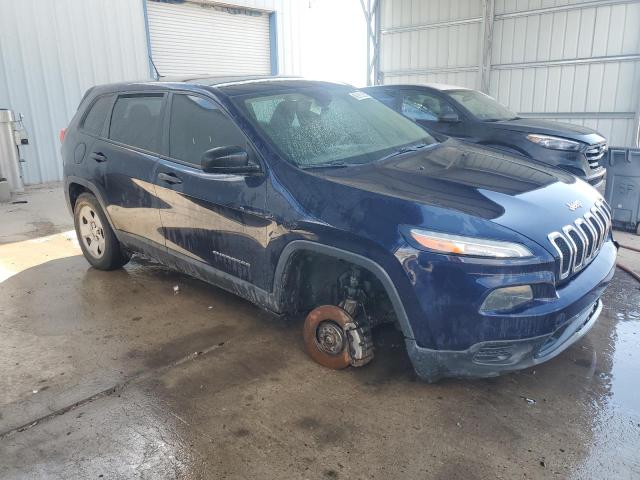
(475, 117)
(313, 197)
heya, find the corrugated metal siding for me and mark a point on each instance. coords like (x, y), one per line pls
(430, 41)
(599, 89)
(197, 39)
(51, 53)
(565, 60)
(289, 30)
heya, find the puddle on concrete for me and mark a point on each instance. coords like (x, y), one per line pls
(613, 452)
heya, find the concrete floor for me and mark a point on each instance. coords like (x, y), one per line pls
(113, 375)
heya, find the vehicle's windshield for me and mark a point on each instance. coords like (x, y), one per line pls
(482, 106)
(339, 126)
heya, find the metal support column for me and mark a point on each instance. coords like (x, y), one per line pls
(488, 15)
(372, 17)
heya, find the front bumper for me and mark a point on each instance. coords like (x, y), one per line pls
(490, 359)
(458, 340)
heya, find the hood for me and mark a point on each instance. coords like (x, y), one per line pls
(548, 127)
(465, 184)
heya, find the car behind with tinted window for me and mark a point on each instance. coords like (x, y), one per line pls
(313, 197)
(476, 117)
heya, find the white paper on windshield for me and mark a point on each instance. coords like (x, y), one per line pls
(359, 95)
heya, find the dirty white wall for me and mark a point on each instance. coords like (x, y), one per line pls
(51, 52)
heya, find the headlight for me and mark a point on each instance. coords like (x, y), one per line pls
(507, 298)
(554, 143)
(477, 247)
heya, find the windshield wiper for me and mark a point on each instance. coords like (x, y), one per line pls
(334, 164)
(403, 150)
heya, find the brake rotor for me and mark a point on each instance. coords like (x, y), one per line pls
(325, 336)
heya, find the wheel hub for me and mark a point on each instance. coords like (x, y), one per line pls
(330, 337)
(91, 231)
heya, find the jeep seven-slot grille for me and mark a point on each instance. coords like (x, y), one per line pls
(578, 243)
(594, 154)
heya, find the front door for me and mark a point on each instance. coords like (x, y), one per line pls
(213, 219)
(432, 112)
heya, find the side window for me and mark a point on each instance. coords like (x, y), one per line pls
(388, 97)
(137, 121)
(94, 120)
(421, 106)
(197, 125)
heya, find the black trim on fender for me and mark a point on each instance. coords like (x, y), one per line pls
(93, 189)
(373, 267)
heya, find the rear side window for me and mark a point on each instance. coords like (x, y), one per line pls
(94, 120)
(197, 124)
(137, 121)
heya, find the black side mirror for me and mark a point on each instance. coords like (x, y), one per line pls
(232, 159)
(449, 117)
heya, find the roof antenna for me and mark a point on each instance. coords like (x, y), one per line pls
(153, 64)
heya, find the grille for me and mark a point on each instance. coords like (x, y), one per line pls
(578, 243)
(594, 154)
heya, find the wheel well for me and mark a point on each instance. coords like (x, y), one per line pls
(312, 279)
(75, 190)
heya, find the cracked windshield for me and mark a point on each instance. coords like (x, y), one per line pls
(337, 127)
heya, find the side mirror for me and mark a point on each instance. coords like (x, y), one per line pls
(232, 159)
(449, 117)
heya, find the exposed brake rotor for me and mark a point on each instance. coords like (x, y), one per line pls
(335, 340)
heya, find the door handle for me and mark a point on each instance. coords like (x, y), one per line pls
(98, 157)
(169, 178)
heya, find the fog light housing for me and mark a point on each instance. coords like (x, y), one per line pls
(507, 298)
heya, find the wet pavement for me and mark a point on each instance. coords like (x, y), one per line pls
(114, 375)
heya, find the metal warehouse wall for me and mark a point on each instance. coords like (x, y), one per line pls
(51, 52)
(573, 61)
(430, 41)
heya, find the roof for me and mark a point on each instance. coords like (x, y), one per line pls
(435, 86)
(221, 85)
(217, 80)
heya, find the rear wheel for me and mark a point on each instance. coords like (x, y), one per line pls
(97, 240)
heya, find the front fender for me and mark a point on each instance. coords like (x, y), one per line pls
(374, 267)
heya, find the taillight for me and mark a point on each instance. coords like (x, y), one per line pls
(62, 134)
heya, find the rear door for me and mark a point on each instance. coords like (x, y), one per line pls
(128, 158)
(211, 218)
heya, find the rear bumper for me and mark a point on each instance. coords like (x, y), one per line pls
(490, 359)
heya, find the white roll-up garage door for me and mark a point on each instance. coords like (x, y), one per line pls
(192, 38)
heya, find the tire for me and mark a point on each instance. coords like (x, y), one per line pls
(99, 244)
